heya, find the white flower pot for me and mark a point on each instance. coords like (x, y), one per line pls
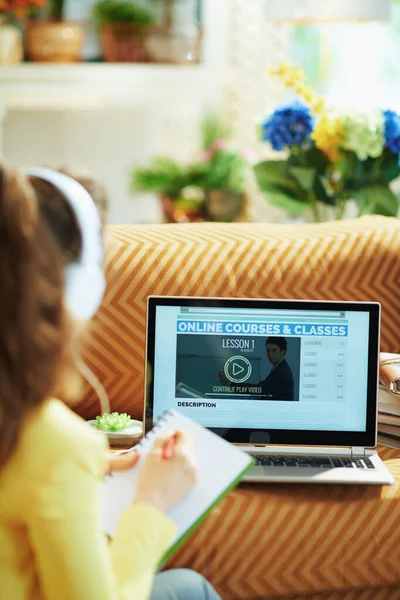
(11, 44)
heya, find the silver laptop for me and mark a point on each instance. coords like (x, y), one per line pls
(293, 382)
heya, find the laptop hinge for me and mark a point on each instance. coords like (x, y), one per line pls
(357, 451)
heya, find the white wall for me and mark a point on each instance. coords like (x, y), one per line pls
(110, 142)
(107, 144)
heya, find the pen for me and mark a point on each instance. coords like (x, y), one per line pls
(169, 446)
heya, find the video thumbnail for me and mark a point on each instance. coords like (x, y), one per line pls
(243, 367)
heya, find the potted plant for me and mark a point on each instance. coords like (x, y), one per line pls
(211, 187)
(11, 42)
(53, 39)
(176, 184)
(124, 27)
(334, 159)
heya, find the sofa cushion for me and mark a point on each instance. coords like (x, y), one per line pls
(345, 260)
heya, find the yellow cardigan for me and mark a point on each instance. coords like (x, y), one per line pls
(51, 541)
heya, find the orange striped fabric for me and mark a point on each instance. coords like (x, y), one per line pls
(386, 593)
(292, 541)
(345, 260)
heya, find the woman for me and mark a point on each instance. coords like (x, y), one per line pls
(51, 462)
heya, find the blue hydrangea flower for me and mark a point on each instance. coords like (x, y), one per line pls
(392, 131)
(289, 125)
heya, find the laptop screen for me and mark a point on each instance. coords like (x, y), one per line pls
(285, 369)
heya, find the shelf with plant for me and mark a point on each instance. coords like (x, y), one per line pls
(332, 157)
(134, 32)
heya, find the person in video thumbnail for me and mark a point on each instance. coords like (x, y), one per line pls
(279, 384)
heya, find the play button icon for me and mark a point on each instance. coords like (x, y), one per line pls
(237, 369)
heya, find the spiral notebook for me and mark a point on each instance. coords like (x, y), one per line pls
(221, 467)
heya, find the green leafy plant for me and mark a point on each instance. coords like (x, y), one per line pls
(298, 183)
(221, 166)
(57, 9)
(113, 421)
(224, 166)
(213, 128)
(224, 169)
(121, 11)
(166, 176)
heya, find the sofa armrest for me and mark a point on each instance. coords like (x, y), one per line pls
(343, 260)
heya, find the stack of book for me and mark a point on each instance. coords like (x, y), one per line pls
(388, 418)
(389, 400)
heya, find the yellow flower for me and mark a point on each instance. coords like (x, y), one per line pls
(307, 93)
(294, 77)
(288, 71)
(328, 135)
(319, 105)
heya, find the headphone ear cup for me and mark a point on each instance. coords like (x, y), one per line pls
(84, 290)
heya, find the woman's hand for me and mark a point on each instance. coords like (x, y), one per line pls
(121, 462)
(163, 482)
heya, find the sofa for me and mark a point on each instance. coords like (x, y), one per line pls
(263, 541)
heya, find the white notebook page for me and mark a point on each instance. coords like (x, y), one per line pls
(220, 465)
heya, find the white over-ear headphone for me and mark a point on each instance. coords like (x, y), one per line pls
(84, 279)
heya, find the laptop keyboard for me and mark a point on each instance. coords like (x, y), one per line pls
(319, 462)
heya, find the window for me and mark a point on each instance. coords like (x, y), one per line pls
(352, 64)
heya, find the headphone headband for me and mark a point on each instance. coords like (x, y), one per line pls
(82, 206)
(84, 279)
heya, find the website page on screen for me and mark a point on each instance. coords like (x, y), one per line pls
(262, 368)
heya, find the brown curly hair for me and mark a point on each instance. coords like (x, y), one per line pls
(38, 237)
